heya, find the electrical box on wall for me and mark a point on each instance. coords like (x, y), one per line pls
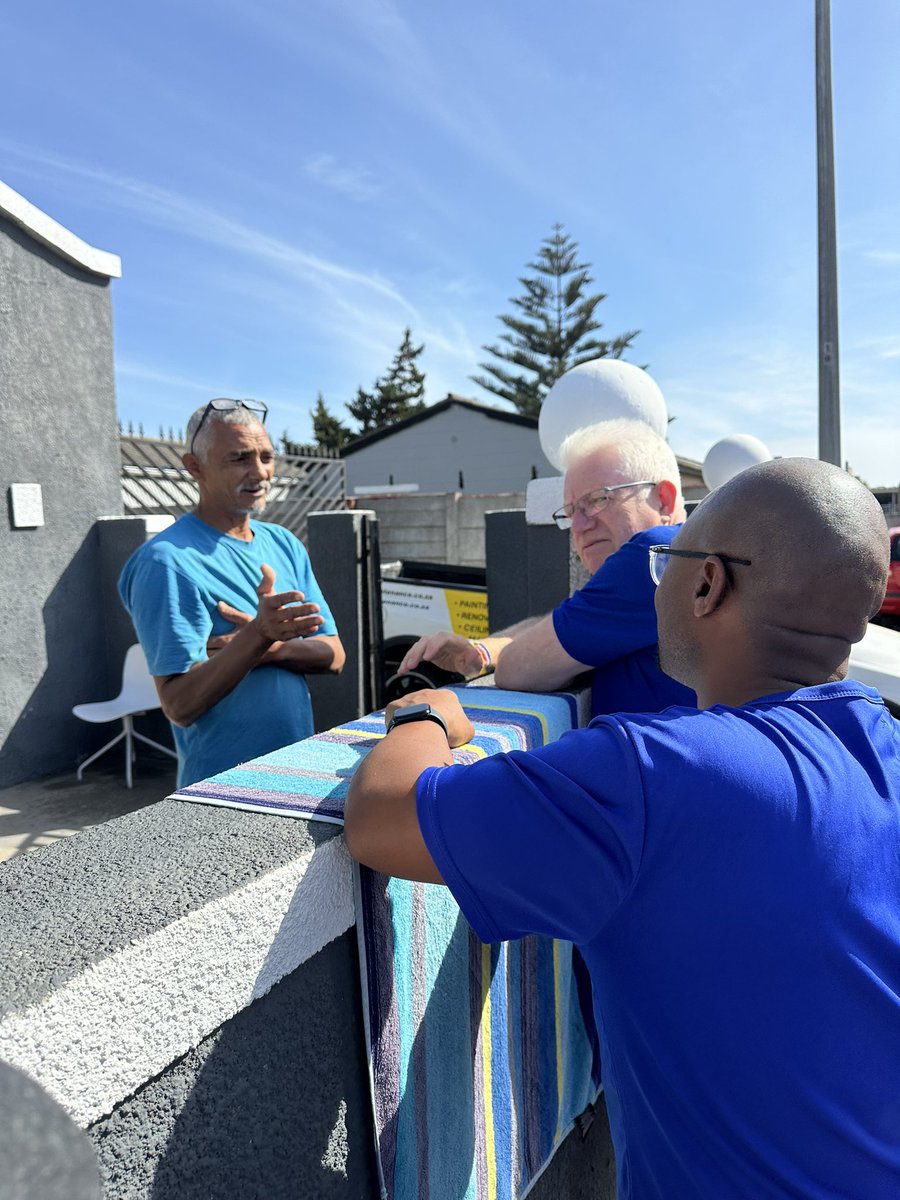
(26, 503)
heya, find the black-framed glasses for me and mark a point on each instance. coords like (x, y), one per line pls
(223, 405)
(659, 559)
(593, 502)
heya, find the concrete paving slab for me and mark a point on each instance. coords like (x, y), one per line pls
(41, 811)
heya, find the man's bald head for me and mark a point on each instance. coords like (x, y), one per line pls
(818, 548)
(817, 539)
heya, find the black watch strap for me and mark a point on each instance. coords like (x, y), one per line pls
(417, 712)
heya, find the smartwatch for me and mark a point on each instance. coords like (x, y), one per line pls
(417, 712)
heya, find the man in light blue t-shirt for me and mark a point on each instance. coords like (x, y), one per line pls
(227, 651)
(731, 875)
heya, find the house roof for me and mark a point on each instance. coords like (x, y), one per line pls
(685, 465)
(50, 233)
(451, 401)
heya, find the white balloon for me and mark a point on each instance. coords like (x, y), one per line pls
(732, 455)
(606, 389)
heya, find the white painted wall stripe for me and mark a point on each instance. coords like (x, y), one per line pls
(122, 1021)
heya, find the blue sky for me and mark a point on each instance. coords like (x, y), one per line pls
(290, 184)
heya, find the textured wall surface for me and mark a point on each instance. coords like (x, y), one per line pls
(443, 528)
(190, 995)
(272, 1106)
(57, 429)
(184, 982)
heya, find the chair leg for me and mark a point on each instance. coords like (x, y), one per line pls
(128, 722)
(155, 745)
(109, 745)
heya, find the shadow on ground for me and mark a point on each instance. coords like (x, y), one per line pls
(41, 811)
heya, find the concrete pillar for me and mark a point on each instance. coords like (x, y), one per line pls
(343, 548)
(527, 567)
(118, 538)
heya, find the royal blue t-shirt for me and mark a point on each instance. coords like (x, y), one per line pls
(171, 587)
(732, 878)
(610, 625)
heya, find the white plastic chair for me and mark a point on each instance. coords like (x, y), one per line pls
(138, 695)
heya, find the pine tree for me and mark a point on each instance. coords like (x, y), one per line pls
(402, 390)
(368, 410)
(328, 430)
(552, 334)
(398, 394)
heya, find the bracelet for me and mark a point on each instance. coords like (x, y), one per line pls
(487, 663)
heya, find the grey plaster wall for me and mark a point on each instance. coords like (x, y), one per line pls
(272, 1106)
(493, 455)
(57, 429)
(272, 1101)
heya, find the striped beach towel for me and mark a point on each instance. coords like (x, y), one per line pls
(479, 1058)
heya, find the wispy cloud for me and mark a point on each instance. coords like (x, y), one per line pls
(135, 370)
(887, 258)
(170, 210)
(377, 43)
(356, 182)
(870, 347)
(774, 395)
(770, 395)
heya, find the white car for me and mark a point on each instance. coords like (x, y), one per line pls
(876, 661)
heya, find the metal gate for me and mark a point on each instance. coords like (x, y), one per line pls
(154, 483)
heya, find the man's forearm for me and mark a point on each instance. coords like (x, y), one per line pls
(534, 660)
(320, 655)
(513, 631)
(380, 821)
(185, 698)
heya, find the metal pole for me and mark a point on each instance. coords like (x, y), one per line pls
(829, 373)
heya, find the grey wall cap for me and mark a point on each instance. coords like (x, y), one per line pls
(49, 232)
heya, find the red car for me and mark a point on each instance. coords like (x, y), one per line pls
(891, 606)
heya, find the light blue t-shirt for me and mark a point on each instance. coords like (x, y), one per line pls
(171, 587)
(732, 878)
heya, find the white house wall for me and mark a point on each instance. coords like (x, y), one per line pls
(493, 455)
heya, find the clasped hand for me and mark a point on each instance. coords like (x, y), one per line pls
(280, 616)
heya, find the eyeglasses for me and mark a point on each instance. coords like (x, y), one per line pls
(659, 559)
(592, 503)
(254, 406)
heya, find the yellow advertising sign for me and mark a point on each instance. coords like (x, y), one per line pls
(468, 612)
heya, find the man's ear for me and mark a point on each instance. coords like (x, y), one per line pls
(712, 588)
(666, 492)
(192, 465)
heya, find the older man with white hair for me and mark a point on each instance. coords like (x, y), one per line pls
(229, 653)
(623, 494)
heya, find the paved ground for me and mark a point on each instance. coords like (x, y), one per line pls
(40, 812)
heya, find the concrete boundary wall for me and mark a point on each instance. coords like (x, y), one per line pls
(446, 527)
(184, 982)
(160, 931)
